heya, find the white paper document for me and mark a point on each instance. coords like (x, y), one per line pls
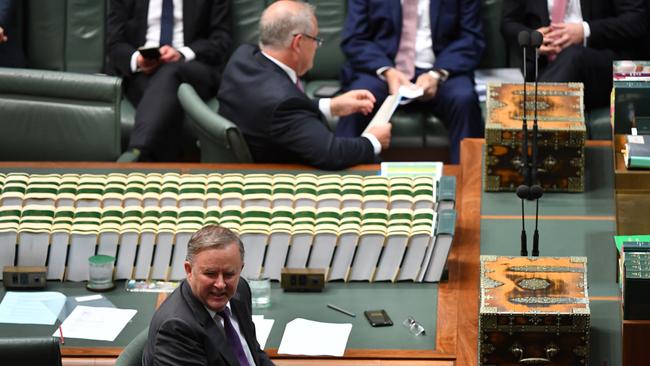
(311, 338)
(262, 329)
(101, 324)
(31, 307)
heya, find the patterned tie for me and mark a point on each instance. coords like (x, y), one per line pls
(405, 59)
(167, 22)
(557, 16)
(233, 337)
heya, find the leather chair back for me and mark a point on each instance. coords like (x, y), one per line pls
(220, 139)
(131, 355)
(42, 351)
(51, 115)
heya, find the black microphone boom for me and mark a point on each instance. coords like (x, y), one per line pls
(523, 192)
(524, 43)
(536, 190)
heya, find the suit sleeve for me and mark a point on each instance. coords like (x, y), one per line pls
(214, 49)
(299, 129)
(119, 49)
(512, 20)
(177, 343)
(627, 23)
(357, 42)
(463, 52)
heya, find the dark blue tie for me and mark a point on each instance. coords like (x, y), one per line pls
(167, 22)
(233, 338)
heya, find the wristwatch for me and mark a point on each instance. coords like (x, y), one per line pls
(440, 75)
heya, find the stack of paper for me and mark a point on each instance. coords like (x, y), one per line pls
(311, 338)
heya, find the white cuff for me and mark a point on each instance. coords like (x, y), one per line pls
(134, 61)
(380, 72)
(187, 53)
(324, 104)
(586, 32)
(376, 146)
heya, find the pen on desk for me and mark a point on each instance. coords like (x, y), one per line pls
(334, 307)
(61, 335)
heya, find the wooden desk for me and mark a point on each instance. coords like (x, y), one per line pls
(457, 301)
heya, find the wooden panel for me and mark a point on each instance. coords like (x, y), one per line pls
(636, 344)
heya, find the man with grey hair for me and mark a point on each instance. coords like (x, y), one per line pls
(207, 319)
(261, 93)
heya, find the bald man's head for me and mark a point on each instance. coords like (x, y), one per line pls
(282, 20)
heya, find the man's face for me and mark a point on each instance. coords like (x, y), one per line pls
(213, 275)
(309, 47)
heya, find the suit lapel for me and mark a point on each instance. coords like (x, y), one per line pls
(434, 12)
(216, 342)
(585, 9)
(243, 319)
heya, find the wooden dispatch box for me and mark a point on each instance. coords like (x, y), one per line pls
(533, 311)
(561, 136)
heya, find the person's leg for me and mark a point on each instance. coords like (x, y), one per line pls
(589, 66)
(354, 124)
(456, 103)
(159, 114)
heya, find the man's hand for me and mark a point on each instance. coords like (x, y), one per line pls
(147, 66)
(395, 79)
(429, 85)
(564, 35)
(547, 47)
(382, 132)
(3, 38)
(169, 54)
(354, 101)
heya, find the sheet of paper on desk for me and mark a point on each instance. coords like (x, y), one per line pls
(262, 329)
(31, 307)
(311, 338)
(102, 324)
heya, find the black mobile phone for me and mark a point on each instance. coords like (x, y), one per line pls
(326, 91)
(378, 318)
(150, 53)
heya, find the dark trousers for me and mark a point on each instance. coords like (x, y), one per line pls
(589, 66)
(159, 115)
(455, 103)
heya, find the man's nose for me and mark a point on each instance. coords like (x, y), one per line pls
(219, 282)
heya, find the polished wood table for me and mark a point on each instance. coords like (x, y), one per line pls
(457, 307)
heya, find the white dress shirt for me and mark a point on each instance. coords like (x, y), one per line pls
(152, 38)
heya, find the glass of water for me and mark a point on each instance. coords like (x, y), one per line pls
(260, 291)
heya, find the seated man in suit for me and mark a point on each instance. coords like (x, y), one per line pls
(581, 39)
(207, 319)
(261, 93)
(435, 45)
(11, 50)
(194, 43)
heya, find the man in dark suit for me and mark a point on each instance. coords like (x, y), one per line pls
(11, 49)
(193, 37)
(433, 44)
(207, 319)
(261, 93)
(581, 39)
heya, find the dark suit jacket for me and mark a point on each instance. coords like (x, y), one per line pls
(11, 52)
(280, 123)
(183, 333)
(373, 30)
(206, 30)
(619, 25)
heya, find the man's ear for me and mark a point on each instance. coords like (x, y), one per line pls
(188, 268)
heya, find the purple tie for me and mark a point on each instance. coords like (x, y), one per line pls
(233, 337)
(299, 85)
(405, 58)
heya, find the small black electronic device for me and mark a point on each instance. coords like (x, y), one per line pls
(150, 53)
(24, 277)
(326, 91)
(378, 318)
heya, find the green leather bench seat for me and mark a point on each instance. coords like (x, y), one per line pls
(50, 115)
